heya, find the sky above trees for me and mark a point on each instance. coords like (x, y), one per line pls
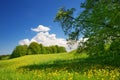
(20, 20)
(44, 37)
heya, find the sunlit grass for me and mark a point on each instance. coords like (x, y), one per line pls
(64, 66)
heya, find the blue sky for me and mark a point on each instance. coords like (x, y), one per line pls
(17, 17)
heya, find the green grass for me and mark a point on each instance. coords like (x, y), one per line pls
(64, 66)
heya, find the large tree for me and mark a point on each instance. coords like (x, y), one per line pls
(42, 49)
(20, 50)
(99, 22)
(34, 48)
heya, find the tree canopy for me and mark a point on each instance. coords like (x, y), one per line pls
(99, 22)
(20, 50)
(35, 48)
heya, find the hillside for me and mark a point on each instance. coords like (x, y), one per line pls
(64, 66)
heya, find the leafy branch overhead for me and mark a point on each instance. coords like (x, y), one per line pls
(99, 22)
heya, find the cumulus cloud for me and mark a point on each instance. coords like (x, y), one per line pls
(83, 39)
(41, 28)
(24, 42)
(44, 37)
(48, 39)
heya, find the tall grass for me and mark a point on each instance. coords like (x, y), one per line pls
(64, 66)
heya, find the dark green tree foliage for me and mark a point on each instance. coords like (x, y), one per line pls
(34, 48)
(99, 22)
(43, 49)
(4, 57)
(20, 50)
(115, 47)
(55, 49)
(61, 49)
(48, 50)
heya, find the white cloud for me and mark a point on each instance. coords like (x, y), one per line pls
(48, 39)
(83, 39)
(41, 28)
(44, 37)
(24, 42)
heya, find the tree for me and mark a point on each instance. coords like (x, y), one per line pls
(34, 48)
(54, 49)
(115, 48)
(20, 50)
(57, 48)
(99, 22)
(62, 49)
(42, 49)
(48, 50)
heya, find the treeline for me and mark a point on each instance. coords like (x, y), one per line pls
(3, 57)
(35, 48)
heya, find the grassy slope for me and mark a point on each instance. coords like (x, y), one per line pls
(9, 68)
(62, 66)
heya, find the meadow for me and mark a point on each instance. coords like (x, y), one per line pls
(62, 66)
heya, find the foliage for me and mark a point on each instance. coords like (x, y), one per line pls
(42, 49)
(20, 50)
(99, 22)
(61, 49)
(35, 48)
(115, 47)
(48, 50)
(55, 49)
(4, 57)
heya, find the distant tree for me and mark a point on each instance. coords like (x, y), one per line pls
(42, 49)
(20, 50)
(34, 48)
(57, 47)
(62, 49)
(54, 49)
(48, 50)
(4, 57)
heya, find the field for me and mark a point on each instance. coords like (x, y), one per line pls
(63, 66)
